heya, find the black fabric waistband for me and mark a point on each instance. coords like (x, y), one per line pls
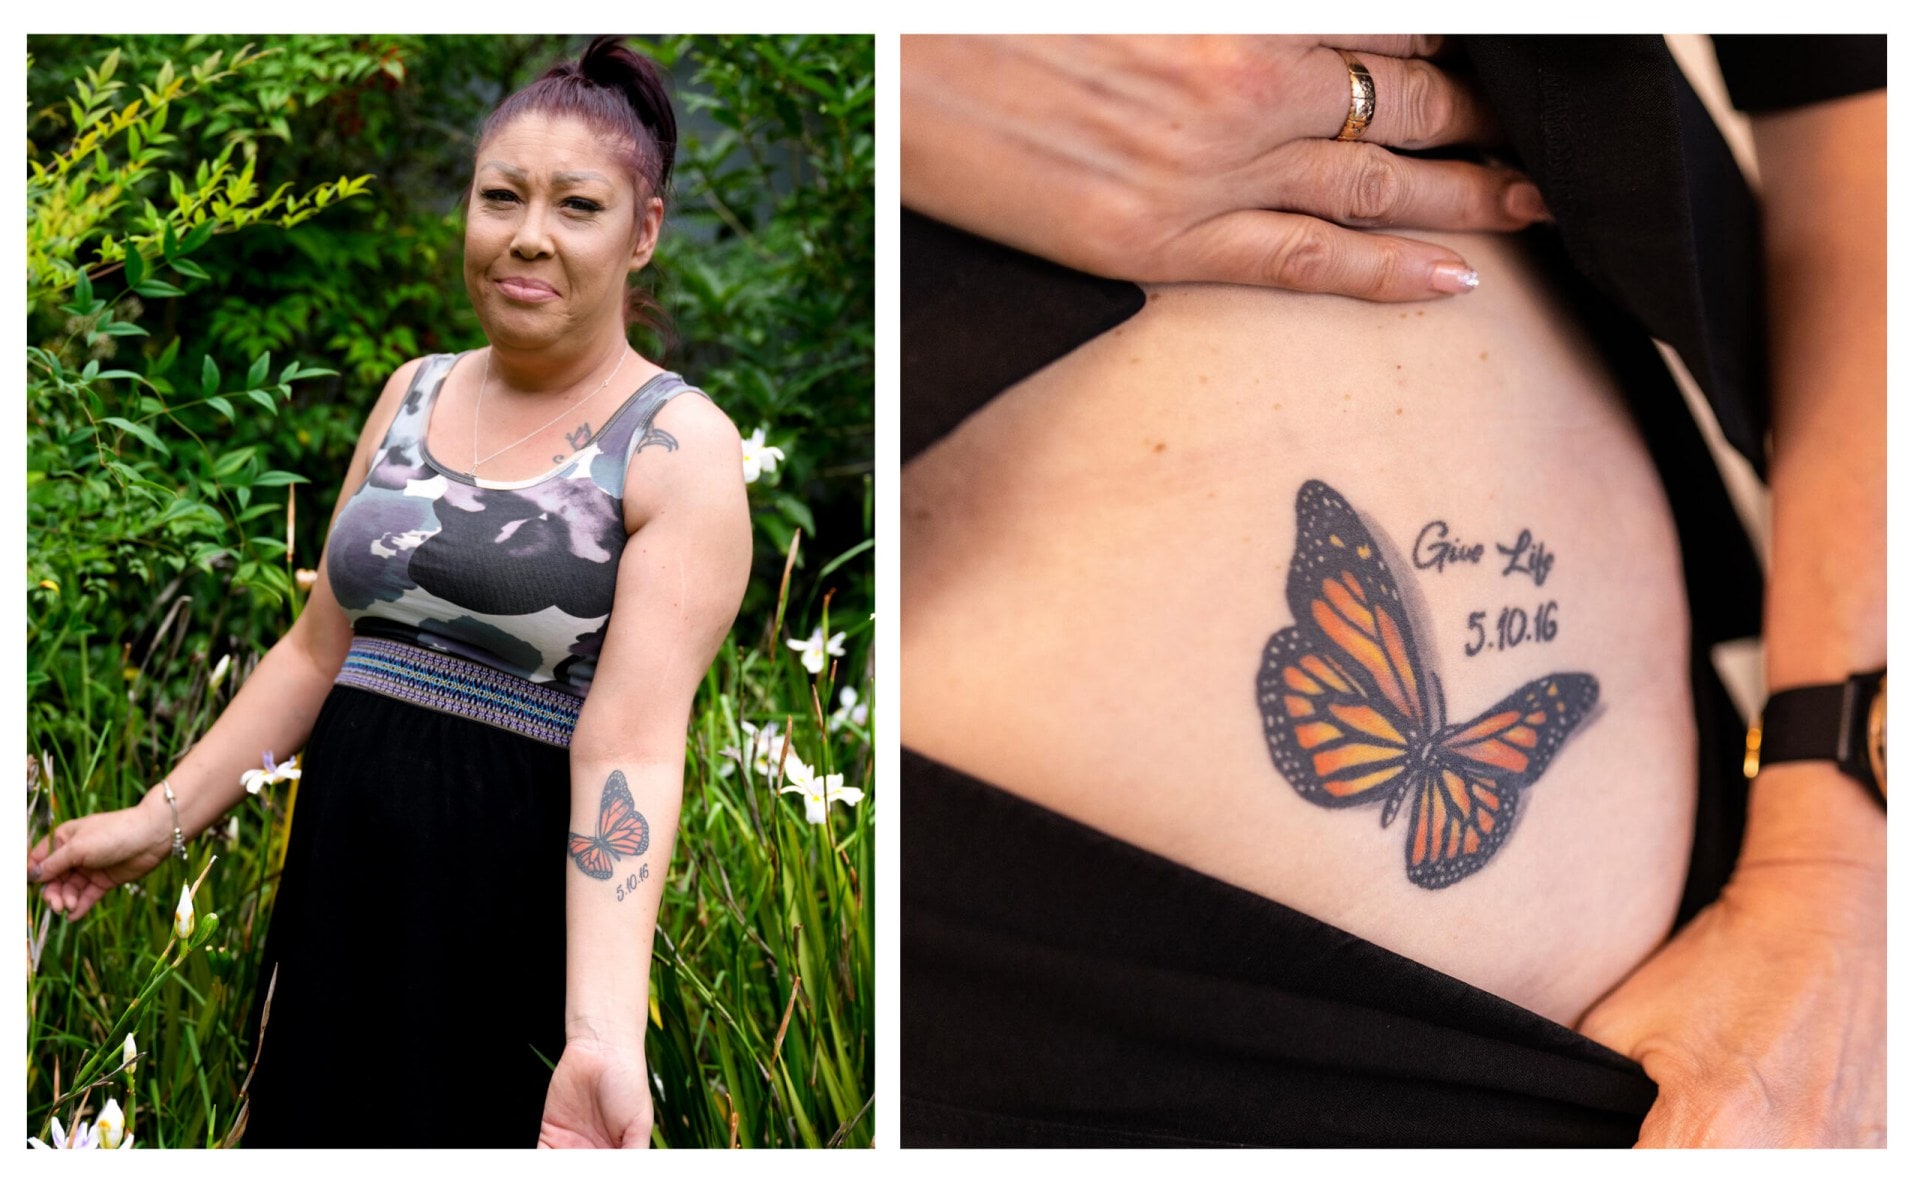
(1060, 986)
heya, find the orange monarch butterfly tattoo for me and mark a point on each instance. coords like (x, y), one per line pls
(622, 831)
(1353, 719)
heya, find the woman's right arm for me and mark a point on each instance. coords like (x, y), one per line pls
(274, 712)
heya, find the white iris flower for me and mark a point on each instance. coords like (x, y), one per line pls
(817, 791)
(111, 1126)
(255, 779)
(758, 458)
(760, 748)
(82, 1138)
(88, 1136)
(814, 651)
(183, 915)
(850, 712)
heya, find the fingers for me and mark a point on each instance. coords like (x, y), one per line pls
(1614, 1023)
(65, 886)
(48, 866)
(91, 888)
(63, 895)
(1362, 185)
(1416, 104)
(60, 894)
(74, 893)
(1308, 254)
(1388, 44)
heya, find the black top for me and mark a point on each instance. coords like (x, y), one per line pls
(1650, 205)
(1063, 988)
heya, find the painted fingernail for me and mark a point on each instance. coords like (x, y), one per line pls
(1453, 277)
(1524, 202)
(33, 872)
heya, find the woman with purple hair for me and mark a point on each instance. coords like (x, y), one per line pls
(520, 523)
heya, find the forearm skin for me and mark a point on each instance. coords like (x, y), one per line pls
(273, 712)
(1824, 199)
(610, 921)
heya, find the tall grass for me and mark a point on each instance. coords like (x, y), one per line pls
(762, 995)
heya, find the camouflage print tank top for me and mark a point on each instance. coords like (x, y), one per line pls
(517, 576)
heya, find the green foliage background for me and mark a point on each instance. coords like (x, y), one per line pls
(215, 298)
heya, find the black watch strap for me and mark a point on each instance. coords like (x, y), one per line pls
(1826, 722)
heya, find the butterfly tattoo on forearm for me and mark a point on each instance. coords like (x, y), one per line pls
(621, 832)
(1353, 718)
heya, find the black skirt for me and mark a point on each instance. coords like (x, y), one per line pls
(419, 935)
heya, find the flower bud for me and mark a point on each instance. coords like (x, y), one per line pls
(209, 924)
(128, 1053)
(219, 671)
(183, 915)
(107, 1130)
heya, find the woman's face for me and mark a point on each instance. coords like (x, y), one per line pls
(554, 227)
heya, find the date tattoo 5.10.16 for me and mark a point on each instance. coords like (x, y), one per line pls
(1353, 718)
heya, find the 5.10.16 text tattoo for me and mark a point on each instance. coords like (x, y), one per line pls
(632, 885)
(1354, 718)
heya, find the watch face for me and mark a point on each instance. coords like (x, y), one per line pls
(1877, 736)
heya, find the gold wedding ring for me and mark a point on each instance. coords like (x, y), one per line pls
(1360, 101)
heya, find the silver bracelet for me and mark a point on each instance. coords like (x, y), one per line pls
(179, 844)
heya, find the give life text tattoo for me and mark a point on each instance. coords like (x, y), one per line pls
(1354, 718)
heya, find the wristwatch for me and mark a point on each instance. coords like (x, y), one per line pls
(1844, 722)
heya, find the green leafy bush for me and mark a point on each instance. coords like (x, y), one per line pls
(141, 473)
(769, 269)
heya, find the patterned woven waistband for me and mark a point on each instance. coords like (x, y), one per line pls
(461, 687)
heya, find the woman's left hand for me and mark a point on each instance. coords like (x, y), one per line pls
(1765, 1021)
(597, 1099)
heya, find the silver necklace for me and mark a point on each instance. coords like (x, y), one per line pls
(481, 400)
